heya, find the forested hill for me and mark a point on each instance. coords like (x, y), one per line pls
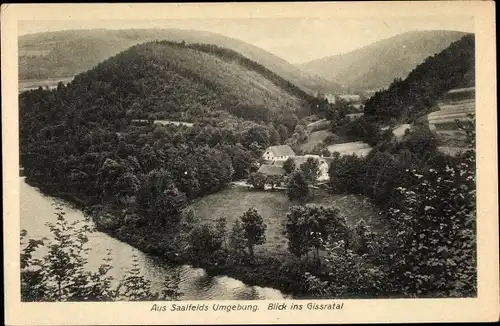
(377, 65)
(169, 80)
(67, 53)
(80, 140)
(454, 67)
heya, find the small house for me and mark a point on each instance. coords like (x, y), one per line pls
(278, 153)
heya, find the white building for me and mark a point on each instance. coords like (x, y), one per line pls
(330, 98)
(278, 153)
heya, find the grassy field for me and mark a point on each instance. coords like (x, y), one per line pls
(273, 207)
(315, 138)
(25, 85)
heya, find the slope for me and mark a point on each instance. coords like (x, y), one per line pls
(65, 53)
(414, 96)
(170, 80)
(375, 66)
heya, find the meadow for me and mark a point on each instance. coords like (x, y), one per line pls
(273, 206)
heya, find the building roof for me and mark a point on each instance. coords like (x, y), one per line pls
(268, 169)
(282, 150)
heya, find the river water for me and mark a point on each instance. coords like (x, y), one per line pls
(193, 283)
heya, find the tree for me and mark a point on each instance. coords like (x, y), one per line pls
(274, 137)
(420, 141)
(298, 189)
(108, 176)
(221, 230)
(257, 180)
(274, 180)
(311, 170)
(325, 153)
(349, 275)
(203, 242)
(171, 201)
(159, 199)
(254, 229)
(242, 160)
(365, 238)
(297, 231)
(289, 165)
(283, 132)
(345, 172)
(299, 135)
(310, 227)
(128, 184)
(434, 252)
(237, 239)
(63, 274)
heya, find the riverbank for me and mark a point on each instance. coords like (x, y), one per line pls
(262, 272)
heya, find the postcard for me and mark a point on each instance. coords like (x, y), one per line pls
(243, 163)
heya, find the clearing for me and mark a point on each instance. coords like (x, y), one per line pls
(273, 206)
(315, 138)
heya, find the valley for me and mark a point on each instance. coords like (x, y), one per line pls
(205, 151)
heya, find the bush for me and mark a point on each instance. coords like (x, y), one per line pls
(345, 174)
(420, 141)
(257, 180)
(331, 139)
(364, 130)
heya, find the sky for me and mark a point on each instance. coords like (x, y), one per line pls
(296, 40)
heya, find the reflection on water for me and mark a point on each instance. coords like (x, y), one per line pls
(194, 283)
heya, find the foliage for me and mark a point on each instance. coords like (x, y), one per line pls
(160, 199)
(297, 188)
(254, 229)
(435, 247)
(275, 180)
(62, 274)
(363, 129)
(345, 173)
(299, 135)
(221, 231)
(237, 240)
(310, 227)
(257, 180)
(420, 140)
(289, 165)
(204, 240)
(311, 170)
(427, 83)
(348, 275)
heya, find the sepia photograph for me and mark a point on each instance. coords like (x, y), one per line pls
(208, 164)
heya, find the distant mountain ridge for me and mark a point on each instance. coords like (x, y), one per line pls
(170, 80)
(376, 65)
(416, 95)
(65, 53)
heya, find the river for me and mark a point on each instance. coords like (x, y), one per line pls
(194, 283)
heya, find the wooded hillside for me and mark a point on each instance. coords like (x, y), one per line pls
(427, 83)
